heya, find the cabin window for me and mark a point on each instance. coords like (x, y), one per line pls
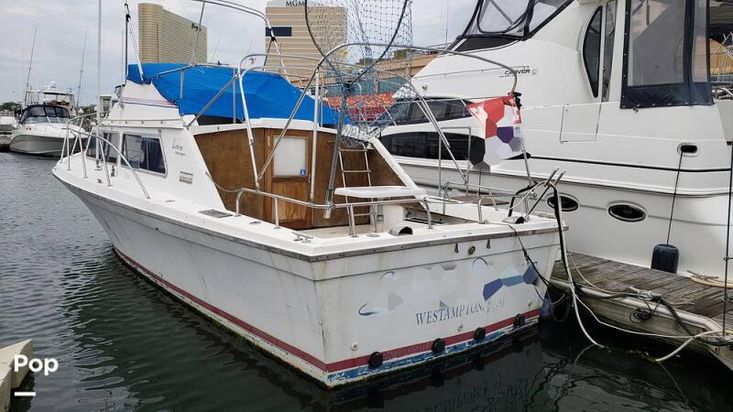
(592, 50)
(627, 213)
(700, 43)
(665, 53)
(608, 47)
(656, 42)
(101, 149)
(290, 157)
(567, 203)
(424, 145)
(410, 112)
(144, 152)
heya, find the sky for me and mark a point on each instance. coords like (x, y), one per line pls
(63, 24)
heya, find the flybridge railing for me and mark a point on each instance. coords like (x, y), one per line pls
(315, 78)
(78, 139)
(326, 207)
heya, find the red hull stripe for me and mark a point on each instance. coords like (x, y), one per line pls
(328, 367)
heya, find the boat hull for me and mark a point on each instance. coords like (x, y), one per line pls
(698, 220)
(37, 144)
(326, 317)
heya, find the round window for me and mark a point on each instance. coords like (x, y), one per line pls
(567, 203)
(627, 213)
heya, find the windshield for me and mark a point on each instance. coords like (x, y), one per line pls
(45, 114)
(513, 18)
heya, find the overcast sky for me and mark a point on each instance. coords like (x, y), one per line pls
(62, 25)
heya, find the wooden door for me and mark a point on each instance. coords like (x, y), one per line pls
(290, 177)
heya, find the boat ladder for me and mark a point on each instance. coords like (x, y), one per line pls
(366, 170)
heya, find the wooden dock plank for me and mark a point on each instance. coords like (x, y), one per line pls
(615, 276)
(698, 306)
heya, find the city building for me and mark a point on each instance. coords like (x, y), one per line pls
(287, 18)
(168, 37)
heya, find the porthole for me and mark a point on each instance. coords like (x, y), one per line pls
(627, 213)
(568, 203)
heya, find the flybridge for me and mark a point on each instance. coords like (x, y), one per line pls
(200, 89)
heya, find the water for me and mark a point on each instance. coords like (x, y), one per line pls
(123, 344)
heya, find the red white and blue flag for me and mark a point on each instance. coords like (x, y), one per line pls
(503, 128)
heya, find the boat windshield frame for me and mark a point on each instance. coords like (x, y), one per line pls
(60, 113)
(521, 27)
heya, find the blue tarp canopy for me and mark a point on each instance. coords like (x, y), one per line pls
(268, 95)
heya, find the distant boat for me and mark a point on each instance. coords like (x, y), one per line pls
(7, 125)
(43, 122)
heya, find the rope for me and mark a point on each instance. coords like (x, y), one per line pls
(674, 196)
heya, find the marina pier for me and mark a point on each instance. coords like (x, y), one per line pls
(657, 305)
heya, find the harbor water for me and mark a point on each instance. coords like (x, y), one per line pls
(123, 344)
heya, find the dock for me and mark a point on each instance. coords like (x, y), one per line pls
(639, 299)
(9, 378)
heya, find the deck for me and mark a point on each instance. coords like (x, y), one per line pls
(699, 306)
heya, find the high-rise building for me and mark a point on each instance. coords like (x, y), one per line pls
(168, 37)
(287, 18)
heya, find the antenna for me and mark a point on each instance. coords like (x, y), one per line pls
(99, 61)
(30, 65)
(127, 30)
(81, 70)
(198, 32)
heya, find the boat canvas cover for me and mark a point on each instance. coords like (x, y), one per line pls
(268, 95)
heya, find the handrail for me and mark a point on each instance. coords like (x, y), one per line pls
(104, 159)
(318, 206)
(65, 146)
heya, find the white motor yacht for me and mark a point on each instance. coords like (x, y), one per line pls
(630, 97)
(42, 130)
(217, 191)
(43, 124)
(7, 125)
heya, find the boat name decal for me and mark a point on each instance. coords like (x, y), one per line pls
(445, 312)
(177, 148)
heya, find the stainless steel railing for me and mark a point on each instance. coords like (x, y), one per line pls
(79, 134)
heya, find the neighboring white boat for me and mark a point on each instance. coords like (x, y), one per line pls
(7, 125)
(42, 130)
(619, 94)
(43, 126)
(339, 294)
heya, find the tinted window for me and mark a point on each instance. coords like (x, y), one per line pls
(656, 42)
(45, 114)
(608, 47)
(424, 145)
(700, 61)
(409, 112)
(100, 149)
(144, 152)
(627, 213)
(592, 50)
(416, 114)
